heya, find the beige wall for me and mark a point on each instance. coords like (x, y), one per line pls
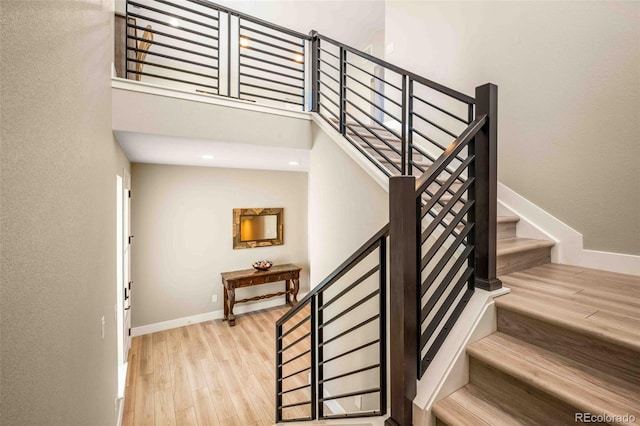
(569, 97)
(58, 209)
(182, 220)
(346, 206)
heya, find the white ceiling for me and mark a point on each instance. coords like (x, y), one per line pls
(156, 149)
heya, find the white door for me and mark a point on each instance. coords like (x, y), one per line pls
(126, 263)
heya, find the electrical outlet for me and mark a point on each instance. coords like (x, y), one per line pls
(358, 402)
(214, 298)
(102, 323)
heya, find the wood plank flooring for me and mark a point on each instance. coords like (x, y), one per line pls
(212, 374)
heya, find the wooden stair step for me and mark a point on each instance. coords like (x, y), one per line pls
(516, 254)
(471, 406)
(507, 227)
(577, 317)
(557, 376)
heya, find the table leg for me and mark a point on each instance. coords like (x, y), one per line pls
(231, 300)
(296, 287)
(287, 288)
(224, 302)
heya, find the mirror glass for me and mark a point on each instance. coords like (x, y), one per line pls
(256, 228)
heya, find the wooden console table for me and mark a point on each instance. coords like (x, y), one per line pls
(288, 273)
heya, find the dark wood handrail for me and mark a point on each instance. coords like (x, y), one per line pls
(337, 273)
(415, 77)
(449, 154)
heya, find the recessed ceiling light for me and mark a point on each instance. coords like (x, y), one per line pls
(174, 22)
(244, 41)
(293, 163)
(298, 58)
(207, 157)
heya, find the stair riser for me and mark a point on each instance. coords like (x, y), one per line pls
(506, 230)
(519, 261)
(538, 406)
(617, 361)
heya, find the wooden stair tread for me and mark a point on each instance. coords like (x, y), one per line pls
(556, 375)
(508, 219)
(579, 300)
(470, 406)
(570, 315)
(607, 299)
(519, 245)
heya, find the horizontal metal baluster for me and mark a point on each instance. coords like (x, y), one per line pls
(433, 248)
(373, 104)
(296, 326)
(173, 58)
(445, 331)
(377, 92)
(270, 89)
(265, 61)
(283, 83)
(254, 30)
(442, 110)
(153, 64)
(444, 308)
(350, 287)
(350, 373)
(187, 30)
(452, 271)
(187, 9)
(173, 36)
(350, 351)
(173, 15)
(351, 308)
(351, 330)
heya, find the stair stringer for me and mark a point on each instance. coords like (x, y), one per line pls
(449, 370)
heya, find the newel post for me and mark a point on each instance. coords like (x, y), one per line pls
(315, 47)
(403, 288)
(486, 189)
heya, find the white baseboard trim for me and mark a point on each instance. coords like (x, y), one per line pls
(449, 370)
(209, 316)
(569, 249)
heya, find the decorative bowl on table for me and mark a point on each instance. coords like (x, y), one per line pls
(262, 265)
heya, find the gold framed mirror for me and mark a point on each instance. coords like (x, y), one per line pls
(261, 227)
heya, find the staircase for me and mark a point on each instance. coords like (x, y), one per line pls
(514, 254)
(567, 338)
(567, 343)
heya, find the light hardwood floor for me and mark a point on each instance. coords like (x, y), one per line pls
(213, 374)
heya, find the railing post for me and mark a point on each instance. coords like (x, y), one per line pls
(314, 359)
(278, 373)
(315, 70)
(403, 290)
(343, 91)
(486, 189)
(403, 151)
(409, 125)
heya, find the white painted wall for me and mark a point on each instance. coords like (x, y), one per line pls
(569, 97)
(182, 220)
(58, 207)
(346, 206)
